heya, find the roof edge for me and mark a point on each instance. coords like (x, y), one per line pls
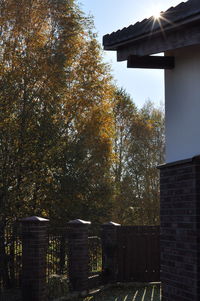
(180, 15)
(115, 45)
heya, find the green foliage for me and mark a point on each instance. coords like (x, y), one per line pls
(56, 121)
(139, 149)
(71, 144)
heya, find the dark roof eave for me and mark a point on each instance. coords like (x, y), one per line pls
(116, 46)
(125, 43)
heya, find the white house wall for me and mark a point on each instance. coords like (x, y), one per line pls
(182, 98)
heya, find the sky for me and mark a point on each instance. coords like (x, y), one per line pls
(111, 15)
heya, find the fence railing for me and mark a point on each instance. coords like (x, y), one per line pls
(57, 255)
(57, 259)
(65, 251)
(10, 256)
(95, 255)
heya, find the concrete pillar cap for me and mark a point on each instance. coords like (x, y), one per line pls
(34, 219)
(79, 222)
(111, 224)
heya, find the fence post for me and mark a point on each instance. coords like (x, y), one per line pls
(34, 249)
(78, 256)
(109, 251)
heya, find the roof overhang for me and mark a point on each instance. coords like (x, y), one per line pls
(173, 38)
(168, 36)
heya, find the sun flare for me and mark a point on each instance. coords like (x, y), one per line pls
(156, 14)
(156, 10)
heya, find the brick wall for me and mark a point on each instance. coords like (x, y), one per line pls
(180, 220)
(78, 256)
(34, 246)
(110, 252)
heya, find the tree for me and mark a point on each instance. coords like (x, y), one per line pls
(125, 114)
(84, 178)
(147, 152)
(37, 44)
(58, 153)
(56, 121)
(139, 146)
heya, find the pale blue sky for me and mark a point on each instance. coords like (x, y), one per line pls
(111, 15)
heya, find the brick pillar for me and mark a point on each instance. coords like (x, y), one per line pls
(34, 246)
(109, 249)
(180, 220)
(78, 254)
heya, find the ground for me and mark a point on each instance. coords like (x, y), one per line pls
(116, 293)
(129, 293)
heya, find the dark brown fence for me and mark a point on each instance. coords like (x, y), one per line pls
(95, 255)
(10, 256)
(57, 258)
(138, 254)
(129, 253)
(57, 253)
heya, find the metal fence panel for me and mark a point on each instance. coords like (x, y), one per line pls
(10, 256)
(95, 255)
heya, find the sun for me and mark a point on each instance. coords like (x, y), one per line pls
(156, 14)
(155, 10)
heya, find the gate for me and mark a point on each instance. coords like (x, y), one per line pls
(138, 253)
